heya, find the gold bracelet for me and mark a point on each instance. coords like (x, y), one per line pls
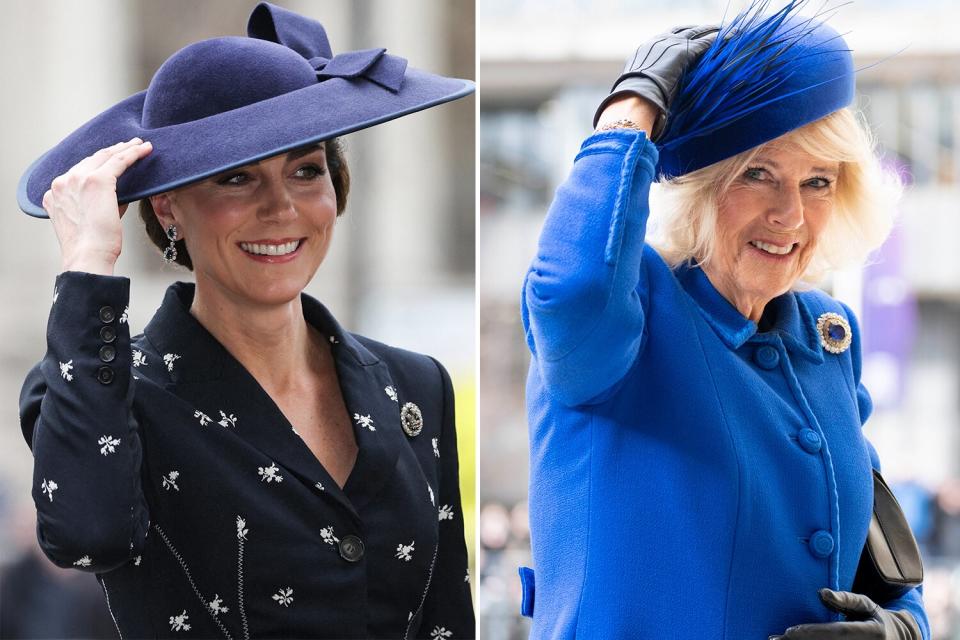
(623, 123)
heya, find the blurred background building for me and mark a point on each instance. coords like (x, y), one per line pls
(544, 65)
(400, 269)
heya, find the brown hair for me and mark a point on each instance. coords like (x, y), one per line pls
(339, 175)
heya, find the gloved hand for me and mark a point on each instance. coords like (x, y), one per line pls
(654, 70)
(865, 621)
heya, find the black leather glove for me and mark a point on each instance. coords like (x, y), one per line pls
(865, 621)
(654, 70)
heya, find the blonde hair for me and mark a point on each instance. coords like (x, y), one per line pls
(683, 227)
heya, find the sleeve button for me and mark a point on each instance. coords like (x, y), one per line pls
(104, 375)
(108, 352)
(108, 334)
(107, 314)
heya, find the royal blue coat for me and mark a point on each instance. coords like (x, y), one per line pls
(163, 466)
(691, 477)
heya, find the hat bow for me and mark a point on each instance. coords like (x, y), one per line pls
(308, 38)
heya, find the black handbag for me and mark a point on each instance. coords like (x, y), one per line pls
(890, 563)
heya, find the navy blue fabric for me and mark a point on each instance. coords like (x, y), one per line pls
(819, 80)
(676, 491)
(226, 102)
(181, 483)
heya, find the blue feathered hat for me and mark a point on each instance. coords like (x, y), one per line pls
(765, 75)
(227, 102)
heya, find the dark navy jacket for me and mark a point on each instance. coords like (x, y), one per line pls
(164, 467)
(691, 476)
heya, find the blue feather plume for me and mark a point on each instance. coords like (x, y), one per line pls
(742, 71)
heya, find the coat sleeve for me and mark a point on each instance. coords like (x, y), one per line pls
(76, 416)
(912, 601)
(583, 309)
(449, 605)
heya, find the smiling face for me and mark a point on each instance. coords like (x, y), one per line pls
(768, 223)
(257, 234)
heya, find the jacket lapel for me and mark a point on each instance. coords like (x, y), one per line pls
(204, 373)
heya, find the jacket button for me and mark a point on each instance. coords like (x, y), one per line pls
(108, 352)
(351, 548)
(810, 440)
(766, 356)
(104, 375)
(821, 544)
(107, 314)
(108, 334)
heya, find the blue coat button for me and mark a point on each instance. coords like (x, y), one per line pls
(810, 440)
(766, 356)
(821, 544)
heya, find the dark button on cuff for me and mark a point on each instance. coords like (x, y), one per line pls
(766, 356)
(810, 440)
(351, 548)
(108, 352)
(107, 314)
(821, 544)
(108, 334)
(104, 375)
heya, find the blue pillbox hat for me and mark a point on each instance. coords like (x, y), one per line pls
(764, 76)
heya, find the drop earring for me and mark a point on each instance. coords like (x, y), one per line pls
(170, 253)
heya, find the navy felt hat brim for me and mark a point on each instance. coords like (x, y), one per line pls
(197, 138)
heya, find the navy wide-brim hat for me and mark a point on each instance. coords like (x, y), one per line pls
(764, 76)
(222, 103)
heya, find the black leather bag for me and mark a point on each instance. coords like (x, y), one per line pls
(890, 563)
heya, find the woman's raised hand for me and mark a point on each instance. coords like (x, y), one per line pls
(654, 70)
(82, 205)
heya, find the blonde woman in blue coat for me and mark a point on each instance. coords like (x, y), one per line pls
(698, 468)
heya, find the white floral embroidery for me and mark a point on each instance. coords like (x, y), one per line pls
(270, 474)
(333, 340)
(391, 393)
(241, 529)
(319, 486)
(327, 534)
(179, 623)
(125, 315)
(109, 444)
(404, 551)
(138, 358)
(169, 480)
(56, 294)
(169, 359)
(436, 447)
(136, 561)
(440, 632)
(83, 562)
(227, 421)
(430, 489)
(466, 578)
(204, 418)
(216, 605)
(65, 368)
(284, 596)
(49, 486)
(364, 421)
(446, 512)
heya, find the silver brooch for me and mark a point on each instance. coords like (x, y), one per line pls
(835, 332)
(411, 419)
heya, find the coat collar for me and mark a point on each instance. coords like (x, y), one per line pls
(790, 317)
(206, 374)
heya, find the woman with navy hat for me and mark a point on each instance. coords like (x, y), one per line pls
(245, 467)
(698, 468)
